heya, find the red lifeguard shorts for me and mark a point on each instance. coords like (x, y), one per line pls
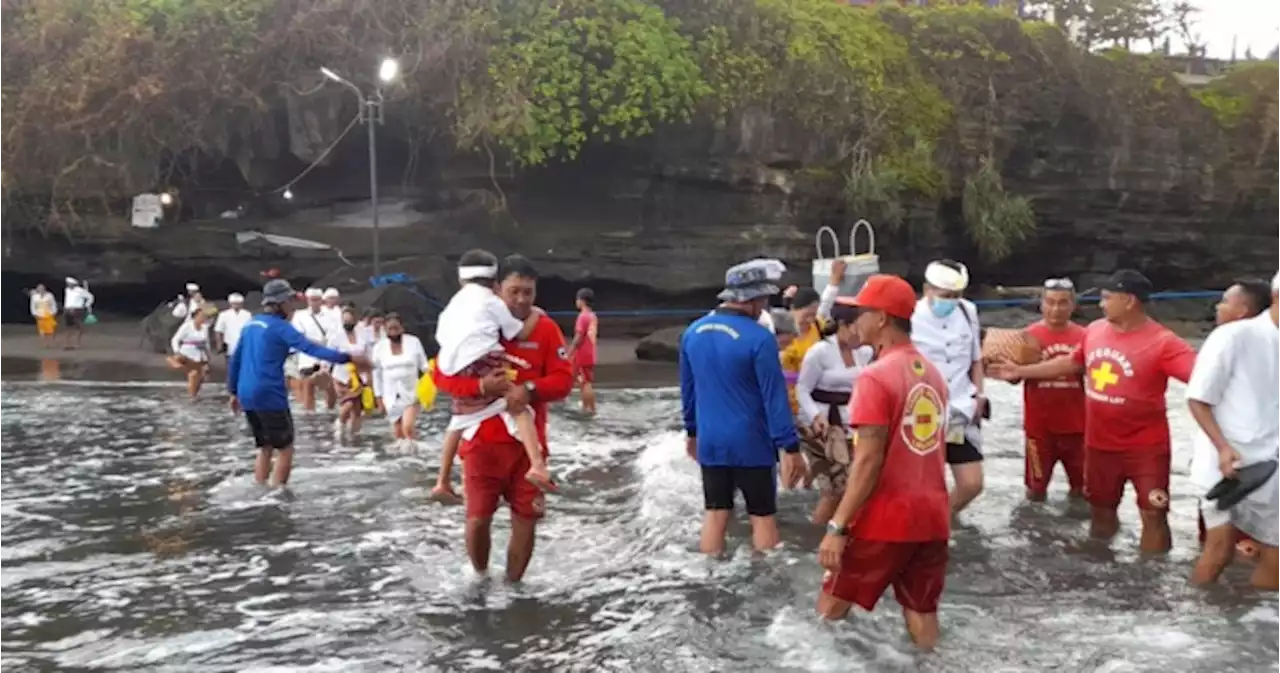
(496, 471)
(1045, 451)
(916, 570)
(1105, 473)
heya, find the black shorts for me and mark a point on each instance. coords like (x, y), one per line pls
(959, 454)
(271, 429)
(759, 486)
(73, 317)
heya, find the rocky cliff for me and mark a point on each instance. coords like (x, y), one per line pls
(1121, 166)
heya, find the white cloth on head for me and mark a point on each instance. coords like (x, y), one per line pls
(192, 287)
(395, 375)
(354, 343)
(474, 272)
(1237, 373)
(72, 281)
(471, 326)
(823, 368)
(229, 324)
(191, 342)
(331, 293)
(952, 344)
(946, 278)
(77, 298)
(1275, 282)
(235, 298)
(314, 292)
(313, 326)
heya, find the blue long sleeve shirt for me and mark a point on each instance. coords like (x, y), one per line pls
(255, 374)
(733, 393)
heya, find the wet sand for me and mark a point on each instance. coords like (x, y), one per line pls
(115, 352)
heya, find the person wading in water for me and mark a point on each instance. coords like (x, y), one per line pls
(582, 352)
(495, 462)
(1127, 360)
(823, 388)
(1234, 396)
(398, 362)
(190, 346)
(255, 378)
(734, 401)
(1053, 409)
(347, 384)
(893, 522)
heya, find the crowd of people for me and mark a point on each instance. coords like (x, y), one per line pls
(870, 396)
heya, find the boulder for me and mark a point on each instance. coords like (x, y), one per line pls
(662, 345)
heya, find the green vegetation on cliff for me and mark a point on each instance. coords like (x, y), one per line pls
(908, 106)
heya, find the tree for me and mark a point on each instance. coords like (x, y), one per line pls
(1182, 15)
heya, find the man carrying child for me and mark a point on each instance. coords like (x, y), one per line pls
(497, 461)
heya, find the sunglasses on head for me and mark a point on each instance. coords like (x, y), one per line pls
(1059, 284)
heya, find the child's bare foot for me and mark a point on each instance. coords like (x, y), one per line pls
(444, 494)
(540, 476)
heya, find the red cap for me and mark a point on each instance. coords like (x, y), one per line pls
(890, 294)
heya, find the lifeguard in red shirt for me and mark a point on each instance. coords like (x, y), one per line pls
(1127, 360)
(1053, 409)
(496, 462)
(894, 519)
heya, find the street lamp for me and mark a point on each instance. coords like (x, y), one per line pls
(371, 116)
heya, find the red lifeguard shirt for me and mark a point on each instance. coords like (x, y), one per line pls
(549, 369)
(904, 393)
(1126, 375)
(1054, 406)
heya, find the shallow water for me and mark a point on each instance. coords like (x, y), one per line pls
(134, 540)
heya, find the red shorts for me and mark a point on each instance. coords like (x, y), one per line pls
(584, 373)
(1241, 536)
(917, 571)
(1105, 473)
(493, 471)
(1044, 451)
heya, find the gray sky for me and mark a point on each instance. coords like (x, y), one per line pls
(1254, 23)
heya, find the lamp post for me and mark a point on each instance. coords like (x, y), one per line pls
(371, 116)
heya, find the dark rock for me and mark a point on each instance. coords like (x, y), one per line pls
(663, 345)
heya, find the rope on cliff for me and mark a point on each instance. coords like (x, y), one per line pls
(323, 155)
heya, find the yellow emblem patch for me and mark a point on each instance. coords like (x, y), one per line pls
(917, 367)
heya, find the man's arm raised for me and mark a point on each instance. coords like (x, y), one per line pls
(1063, 365)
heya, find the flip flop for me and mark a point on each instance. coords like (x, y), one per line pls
(1229, 492)
(446, 498)
(547, 486)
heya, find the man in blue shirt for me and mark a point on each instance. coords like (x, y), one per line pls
(255, 377)
(736, 412)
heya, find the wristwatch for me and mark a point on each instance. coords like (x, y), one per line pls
(530, 388)
(837, 530)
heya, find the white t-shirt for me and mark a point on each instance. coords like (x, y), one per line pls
(470, 327)
(1237, 372)
(823, 369)
(191, 342)
(952, 344)
(314, 327)
(77, 298)
(341, 341)
(229, 324)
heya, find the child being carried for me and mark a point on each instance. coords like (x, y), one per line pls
(469, 333)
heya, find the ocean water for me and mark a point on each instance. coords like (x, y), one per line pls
(133, 539)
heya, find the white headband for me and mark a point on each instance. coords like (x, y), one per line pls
(474, 272)
(1275, 282)
(235, 298)
(72, 281)
(946, 278)
(331, 293)
(192, 287)
(313, 293)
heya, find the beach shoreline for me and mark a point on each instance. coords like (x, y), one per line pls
(116, 351)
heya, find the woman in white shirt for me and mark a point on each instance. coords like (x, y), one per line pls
(190, 347)
(823, 387)
(398, 362)
(348, 384)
